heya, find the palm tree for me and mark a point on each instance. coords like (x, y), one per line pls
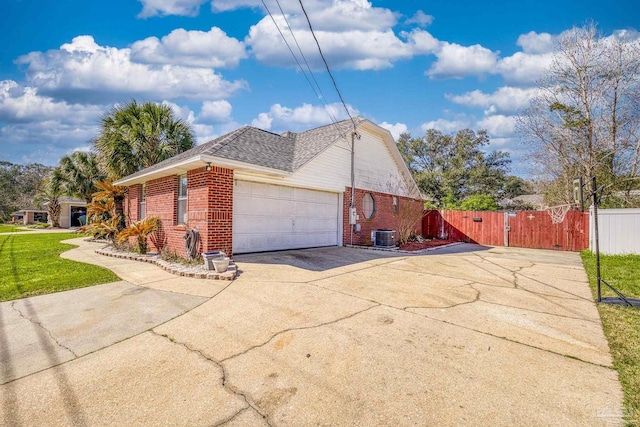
(49, 194)
(77, 174)
(107, 192)
(140, 231)
(135, 136)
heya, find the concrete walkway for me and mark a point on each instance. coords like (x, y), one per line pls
(25, 230)
(337, 336)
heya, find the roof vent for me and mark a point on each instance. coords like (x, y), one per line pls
(288, 134)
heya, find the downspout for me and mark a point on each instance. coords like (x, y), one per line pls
(353, 185)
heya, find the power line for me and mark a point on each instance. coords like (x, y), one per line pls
(335, 85)
(289, 47)
(317, 92)
(299, 48)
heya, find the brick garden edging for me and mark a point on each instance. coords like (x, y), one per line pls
(196, 272)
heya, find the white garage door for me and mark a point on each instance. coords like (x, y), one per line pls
(272, 217)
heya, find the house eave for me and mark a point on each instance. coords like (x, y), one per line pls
(196, 162)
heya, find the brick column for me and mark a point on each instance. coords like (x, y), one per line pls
(210, 207)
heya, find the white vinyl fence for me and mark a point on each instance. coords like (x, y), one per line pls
(619, 231)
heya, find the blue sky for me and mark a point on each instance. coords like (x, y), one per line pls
(406, 65)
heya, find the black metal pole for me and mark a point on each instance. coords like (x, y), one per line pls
(597, 234)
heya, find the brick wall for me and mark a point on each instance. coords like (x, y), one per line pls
(210, 207)
(162, 200)
(384, 216)
(209, 210)
(132, 204)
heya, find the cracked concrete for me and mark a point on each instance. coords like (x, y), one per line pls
(47, 330)
(340, 337)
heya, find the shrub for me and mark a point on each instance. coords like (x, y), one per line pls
(140, 230)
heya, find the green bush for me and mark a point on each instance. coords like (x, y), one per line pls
(479, 202)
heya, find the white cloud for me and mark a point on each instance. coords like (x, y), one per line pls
(395, 129)
(498, 126)
(182, 112)
(85, 70)
(204, 133)
(300, 118)
(215, 111)
(533, 42)
(263, 121)
(227, 5)
(24, 104)
(213, 120)
(447, 126)
(506, 99)
(211, 49)
(44, 141)
(170, 7)
(524, 68)
(420, 18)
(353, 49)
(421, 42)
(457, 61)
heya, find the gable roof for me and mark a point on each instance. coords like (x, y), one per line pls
(287, 152)
(257, 150)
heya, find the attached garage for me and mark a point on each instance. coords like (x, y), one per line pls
(269, 217)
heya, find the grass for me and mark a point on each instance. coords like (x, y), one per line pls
(621, 324)
(30, 264)
(9, 228)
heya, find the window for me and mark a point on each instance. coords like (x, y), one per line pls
(143, 201)
(368, 206)
(182, 199)
(395, 205)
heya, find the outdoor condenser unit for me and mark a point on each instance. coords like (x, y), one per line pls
(385, 238)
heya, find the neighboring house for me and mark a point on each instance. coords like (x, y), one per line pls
(534, 200)
(253, 190)
(29, 216)
(73, 212)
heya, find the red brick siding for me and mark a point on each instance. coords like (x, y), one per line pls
(209, 209)
(132, 204)
(383, 216)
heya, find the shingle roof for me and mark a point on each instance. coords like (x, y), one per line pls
(32, 209)
(287, 152)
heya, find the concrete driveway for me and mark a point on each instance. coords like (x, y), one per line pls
(341, 337)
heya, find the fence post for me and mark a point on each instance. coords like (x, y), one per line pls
(506, 228)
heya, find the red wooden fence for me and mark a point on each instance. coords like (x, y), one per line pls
(524, 229)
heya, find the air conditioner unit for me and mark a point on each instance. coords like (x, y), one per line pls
(385, 238)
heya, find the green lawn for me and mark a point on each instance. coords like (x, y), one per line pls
(30, 265)
(621, 324)
(9, 228)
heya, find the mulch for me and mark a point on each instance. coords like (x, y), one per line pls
(416, 246)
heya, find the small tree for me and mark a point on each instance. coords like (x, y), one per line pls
(409, 216)
(49, 194)
(140, 231)
(104, 214)
(108, 191)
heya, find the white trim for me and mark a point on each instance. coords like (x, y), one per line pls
(246, 176)
(340, 218)
(182, 167)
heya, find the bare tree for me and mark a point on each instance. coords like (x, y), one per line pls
(585, 120)
(410, 215)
